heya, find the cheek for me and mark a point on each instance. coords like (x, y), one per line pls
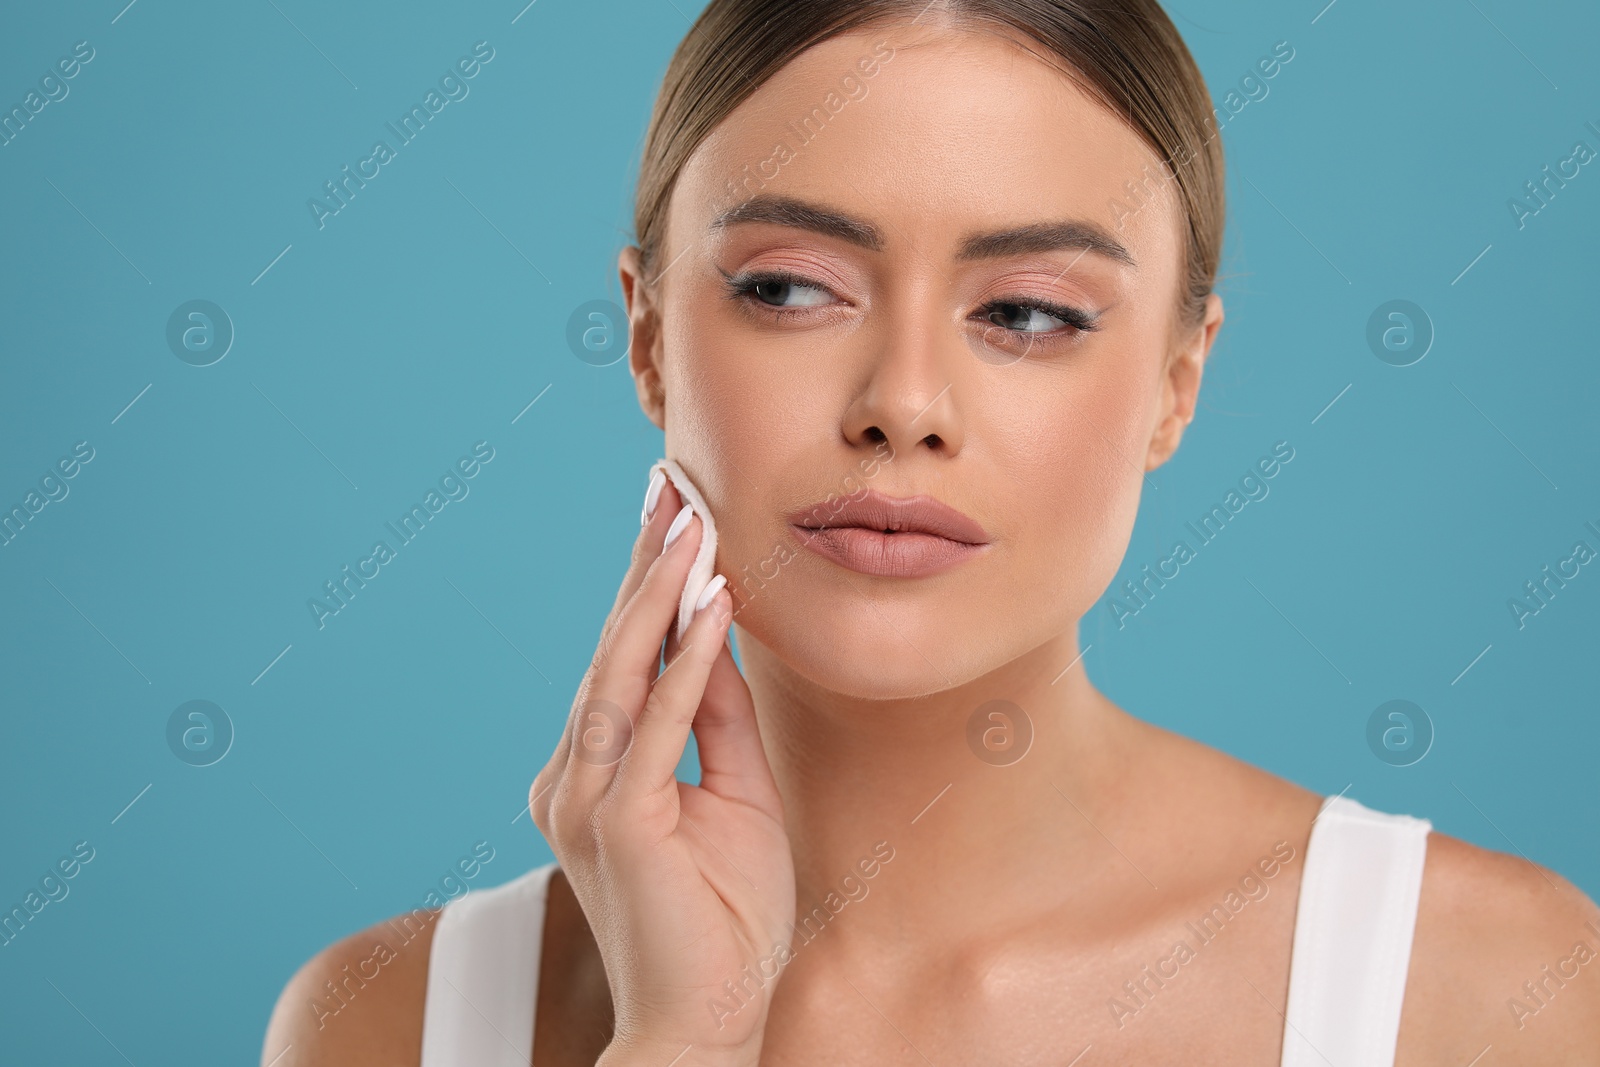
(741, 423)
(1074, 453)
(721, 387)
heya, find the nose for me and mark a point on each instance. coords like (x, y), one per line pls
(909, 397)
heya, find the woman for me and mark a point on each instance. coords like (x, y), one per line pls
(921, 292)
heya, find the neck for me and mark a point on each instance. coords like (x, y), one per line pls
(977, 816)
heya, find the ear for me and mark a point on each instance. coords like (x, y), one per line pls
(1180, 385)
(644, 336)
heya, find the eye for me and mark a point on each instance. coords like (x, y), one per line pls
(778, 290)
(1037, 318)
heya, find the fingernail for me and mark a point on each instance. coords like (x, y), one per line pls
(652, 495)
(711, 590)
(680, 523)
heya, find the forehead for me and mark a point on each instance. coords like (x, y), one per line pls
(934, 132)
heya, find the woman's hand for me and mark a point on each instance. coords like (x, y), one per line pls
(684, 886)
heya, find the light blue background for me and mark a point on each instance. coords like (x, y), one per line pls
(375, 752)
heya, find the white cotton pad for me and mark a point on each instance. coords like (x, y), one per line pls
(704, 566)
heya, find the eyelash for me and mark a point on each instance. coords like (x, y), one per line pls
(741, 287)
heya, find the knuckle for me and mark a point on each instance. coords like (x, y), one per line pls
(603, 648)
(539, 802)
(603, 642)
(561, 831)
(654, 706)
(612, 635)
(578, 826)
(594, 823)
(581, 697)
(617, 661)
(584, 833)
(659, 708)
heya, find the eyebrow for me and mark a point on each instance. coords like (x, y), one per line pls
(1017, 240)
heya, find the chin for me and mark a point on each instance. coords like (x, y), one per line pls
(867, 651)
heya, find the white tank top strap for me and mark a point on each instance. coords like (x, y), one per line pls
(483, 975)
(1352, 936)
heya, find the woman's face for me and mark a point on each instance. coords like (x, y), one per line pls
(929, 219)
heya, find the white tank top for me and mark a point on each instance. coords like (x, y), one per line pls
(1347, 973)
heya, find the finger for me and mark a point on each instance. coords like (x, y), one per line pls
(733, 762)
(647, 546)
(669, 710)
(540, 792)
(604, 725)
(633, 647)
(662, 503)
(669, 649)
(555, 768)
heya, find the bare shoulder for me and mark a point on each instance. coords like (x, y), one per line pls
(1506, 957)
(358, 1002)
(1203, 782)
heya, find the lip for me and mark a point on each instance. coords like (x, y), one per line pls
(888, 536)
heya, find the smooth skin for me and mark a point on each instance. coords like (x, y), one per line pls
(1019, 898)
